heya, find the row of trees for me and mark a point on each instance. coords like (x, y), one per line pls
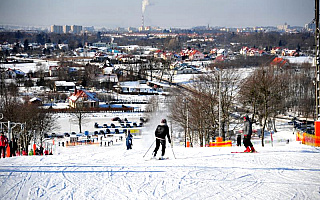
(265, 93)
(34, 120)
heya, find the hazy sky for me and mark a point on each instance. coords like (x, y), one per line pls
(163, 13)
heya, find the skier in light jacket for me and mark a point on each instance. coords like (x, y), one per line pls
(247, 132)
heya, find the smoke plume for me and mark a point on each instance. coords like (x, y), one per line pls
(144, 5)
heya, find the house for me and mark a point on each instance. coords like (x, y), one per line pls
(279, 62)
(35, 100)
(287, 52)
(167, 56)
(138, 87)
(276, 51)
(220, 58)
(61, 86)
(186, 69)
(83, 99)
(53, 71)
(244, 50)
(196, 55)
(222, 52)
(15, 73)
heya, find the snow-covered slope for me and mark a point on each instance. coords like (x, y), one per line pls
(281, 171)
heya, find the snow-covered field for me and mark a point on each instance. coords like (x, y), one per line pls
(281, 171)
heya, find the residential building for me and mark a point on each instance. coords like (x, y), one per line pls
(83, 99)
(76, 29)
(66, 29)
(56, 29)
(62, 86)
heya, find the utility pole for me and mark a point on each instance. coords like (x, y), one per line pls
(220, 103)
(317, 59)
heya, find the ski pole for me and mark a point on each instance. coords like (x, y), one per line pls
(173, 152)
(148, 149)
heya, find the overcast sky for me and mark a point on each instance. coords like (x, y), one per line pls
(162, 13)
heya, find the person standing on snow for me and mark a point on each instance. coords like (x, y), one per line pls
(247, 132)
(3, 145)
(129, 141)
(161, 132)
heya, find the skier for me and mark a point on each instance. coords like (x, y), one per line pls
(239, 140)
(161, 132)
(247, 132)
(129, 141)
(13, 147)
(3, 145)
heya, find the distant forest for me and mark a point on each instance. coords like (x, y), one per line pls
(299, 41)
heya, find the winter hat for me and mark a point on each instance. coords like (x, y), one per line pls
(163, 122)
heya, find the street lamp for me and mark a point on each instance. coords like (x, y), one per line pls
(219, 88)
(187, 131)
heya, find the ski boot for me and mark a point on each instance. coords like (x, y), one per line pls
(247, 149)
(252, 149)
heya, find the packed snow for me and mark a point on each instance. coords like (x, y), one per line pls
(284, 169)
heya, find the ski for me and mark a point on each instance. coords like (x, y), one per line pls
(164, 158)
(154, 158)
(243, 152)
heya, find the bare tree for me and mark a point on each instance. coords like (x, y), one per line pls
(79, 116)
(264, 91)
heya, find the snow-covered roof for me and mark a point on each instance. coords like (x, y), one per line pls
(64, 83)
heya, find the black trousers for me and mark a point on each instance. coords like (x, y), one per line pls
(247, 141)
(3, 151)
(163, 144)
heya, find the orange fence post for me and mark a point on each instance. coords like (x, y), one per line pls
(317, 133)
(8, 151)
(219, 139)
(34, 149)
(188, 144)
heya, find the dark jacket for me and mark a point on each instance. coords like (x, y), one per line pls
(129, 140)
(162, 131)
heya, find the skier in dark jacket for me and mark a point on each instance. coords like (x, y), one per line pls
(247, 133)
(161, 132)
(129, 141)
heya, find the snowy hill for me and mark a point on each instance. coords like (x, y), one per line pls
(281, 171)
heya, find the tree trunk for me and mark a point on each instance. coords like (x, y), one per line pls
(262, 131)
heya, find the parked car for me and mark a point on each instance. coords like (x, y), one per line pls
(105, 125)
(96, 125)
(66, 135)
(115, 118)
(134, 124)
(112, 125)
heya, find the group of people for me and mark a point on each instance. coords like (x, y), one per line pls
(4, 144)
(162, 131)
